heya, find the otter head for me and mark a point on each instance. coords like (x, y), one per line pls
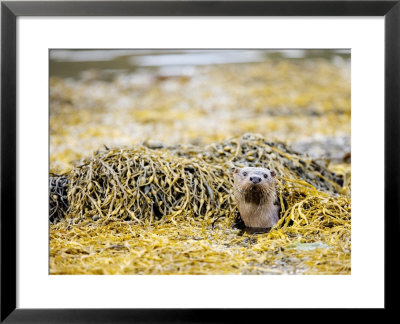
(255, 185)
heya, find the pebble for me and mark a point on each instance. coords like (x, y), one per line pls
(154, 144)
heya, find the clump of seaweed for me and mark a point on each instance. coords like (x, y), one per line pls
(255, 150)
(141, 183)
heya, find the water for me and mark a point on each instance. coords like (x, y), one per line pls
(109, 62)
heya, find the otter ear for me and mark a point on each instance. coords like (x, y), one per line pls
(237, 170)
(273, 174)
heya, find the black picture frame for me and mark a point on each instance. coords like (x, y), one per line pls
(9, 13)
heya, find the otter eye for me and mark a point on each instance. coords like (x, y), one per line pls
(244, 173)
(265, 175)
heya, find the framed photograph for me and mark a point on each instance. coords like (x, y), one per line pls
(193, 161)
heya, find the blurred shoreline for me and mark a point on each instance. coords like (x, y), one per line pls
(68, 63)
(120, 98)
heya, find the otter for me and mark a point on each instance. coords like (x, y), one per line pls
(255, 193)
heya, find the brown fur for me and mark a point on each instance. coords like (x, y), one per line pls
(256, 201)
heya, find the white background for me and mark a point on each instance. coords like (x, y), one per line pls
(363, 288)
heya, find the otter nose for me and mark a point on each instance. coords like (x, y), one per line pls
(255, 179)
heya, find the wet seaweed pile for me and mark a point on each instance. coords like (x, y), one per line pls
(187, 192)
(141, 183)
